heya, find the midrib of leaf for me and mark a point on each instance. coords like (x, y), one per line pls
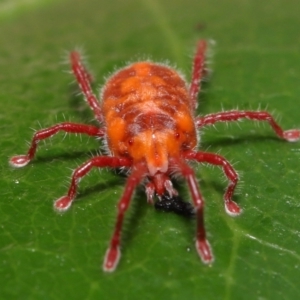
(229, 278)
(10, 8)
(161, 19)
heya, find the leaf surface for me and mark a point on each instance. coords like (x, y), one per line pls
(256, 63)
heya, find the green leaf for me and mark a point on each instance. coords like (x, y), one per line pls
(10, 9)
(256, 63)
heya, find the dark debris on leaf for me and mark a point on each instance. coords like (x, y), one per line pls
(175, 204)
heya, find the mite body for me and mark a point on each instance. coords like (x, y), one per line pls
(147, 117)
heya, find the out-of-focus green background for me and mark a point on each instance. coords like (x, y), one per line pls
(256, 63)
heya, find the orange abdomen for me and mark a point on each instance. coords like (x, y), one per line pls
(148, 105)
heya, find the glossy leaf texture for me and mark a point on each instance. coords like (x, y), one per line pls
(255, 64)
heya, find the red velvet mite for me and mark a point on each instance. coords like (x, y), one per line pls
(147, 118)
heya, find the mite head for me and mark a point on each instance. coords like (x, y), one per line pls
(153, 138)
(156, 147)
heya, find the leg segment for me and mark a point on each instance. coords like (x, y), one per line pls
(198, 71)
(202, 244)
(65, 202)
(84, 78)
(22, 160)
(291, 135)
(230, 206)
(113, 252)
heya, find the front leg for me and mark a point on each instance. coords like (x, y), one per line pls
(113, 252)
(202, 244)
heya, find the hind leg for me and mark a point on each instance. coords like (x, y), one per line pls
(84, 81)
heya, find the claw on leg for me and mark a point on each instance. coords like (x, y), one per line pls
(19, 161)
(111, 259)
(63, 203)
(204, 250)
(292, 135)
(232, 208)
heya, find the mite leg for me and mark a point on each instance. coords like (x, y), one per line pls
(202, 244)
(22, 160)
(203, 157)
(198, 71)
(84, 78)
(291, 135)
(113, 252)
(65, 202)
